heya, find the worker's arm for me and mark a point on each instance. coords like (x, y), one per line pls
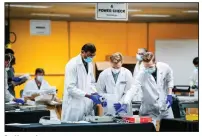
(23, 80)
(93, 84)
(129, 81)
(8, 96)
(71, 82)
(170, 80)
(100, 86)
(134, 90)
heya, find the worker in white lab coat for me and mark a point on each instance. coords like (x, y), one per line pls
(79, 86)
(138, 67)
(156, 82)
(113, 83)
(9, 97)
(38, 86)
(194, 77)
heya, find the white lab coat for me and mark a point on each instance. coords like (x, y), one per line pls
(8, 96)
(31, 88)
(114, 92)
(154, 94)
(194, 81)
(77, 84)
(194, 78)
(138, 67)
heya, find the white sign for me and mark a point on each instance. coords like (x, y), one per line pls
(40, 27)
(111, 11)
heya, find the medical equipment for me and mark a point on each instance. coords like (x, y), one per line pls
(46, 120)
(34, 107)
(27, 76)
(102, 99)
(99, 119)
(137, 119)
(44, 98)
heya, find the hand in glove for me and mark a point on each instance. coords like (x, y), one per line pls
(95, 98)
(169, 100)
(16, 79)
(19, 101)
(119, 108)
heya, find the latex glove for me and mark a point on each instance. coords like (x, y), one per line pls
(104, 104)
(95, 98)
(16, 79)
(169, 100)
(19, 101)
(119, 108)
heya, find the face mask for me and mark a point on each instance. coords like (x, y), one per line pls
(150, 70)
(139, 57)
(39, 78)
(196, 68)
(115, 71)
(88, 59)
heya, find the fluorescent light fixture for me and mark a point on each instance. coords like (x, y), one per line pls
(134, 10)
(50, 15)
(149, 15)
(27, 6)
(191, 11)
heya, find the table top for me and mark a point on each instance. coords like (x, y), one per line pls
(83, 127)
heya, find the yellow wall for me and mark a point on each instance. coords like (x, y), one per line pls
(137, 37)
(48, 52)
(52, 52)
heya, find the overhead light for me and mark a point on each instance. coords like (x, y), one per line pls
(52, 15)
(191, 11)
(27, 6)
(134, 10)
(149, 15)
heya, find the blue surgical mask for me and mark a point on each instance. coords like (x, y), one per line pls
(150, 70)
(88, 59)
(196, 68)
(139, 57)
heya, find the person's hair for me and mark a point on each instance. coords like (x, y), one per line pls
(116, 58)
(39, 70)
(195, 61)
(148, 56)
(7, 57)
(9, 51)
(89, 47)
(143, 49)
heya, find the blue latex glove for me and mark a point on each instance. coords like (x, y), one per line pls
(104, 104)
(95, 98)
(119, 108)
(16, 79)
(19, 101)
(169, 100)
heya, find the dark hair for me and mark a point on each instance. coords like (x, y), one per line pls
(7, 57)
(89, 47)
(195, 61)
(9, 51)
(148, 56)
(39, 70)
